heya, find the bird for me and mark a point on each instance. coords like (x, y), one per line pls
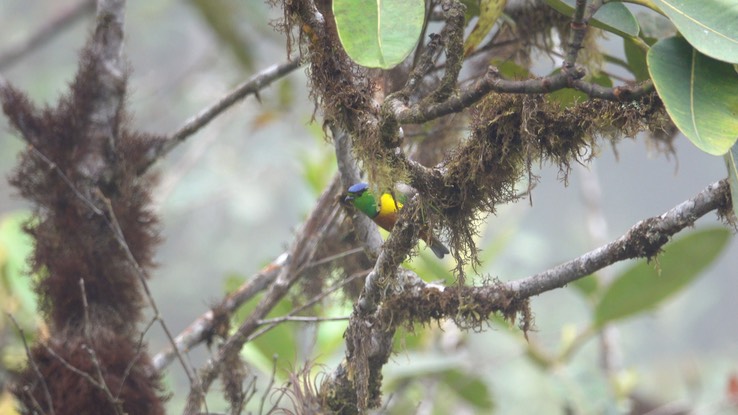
(384, 212)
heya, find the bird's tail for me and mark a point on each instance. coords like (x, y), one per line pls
(437, 247)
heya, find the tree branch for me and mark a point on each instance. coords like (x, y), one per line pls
(34, 367)
(46, 32)
(453, 35)
(491, 82)
(365, 229)
(643, 240)
(355, 382)
(196, 122)
(618, 93)
(204, 326)
(438, 301)
(301, 254)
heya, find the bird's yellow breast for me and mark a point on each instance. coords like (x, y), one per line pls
(388, 205)
(388, 208)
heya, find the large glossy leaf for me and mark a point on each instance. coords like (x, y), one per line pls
(613, 17)
(711, 26)
(489, 12)
(444, 367)
(636, 58)
(731, 160)
(470, 388)
(379, 34)
(280, 341)
(646, 285)
(511, 70)
(700, 93)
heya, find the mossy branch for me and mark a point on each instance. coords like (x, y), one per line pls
(643, 240)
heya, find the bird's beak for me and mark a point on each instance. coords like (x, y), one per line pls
(349, 198)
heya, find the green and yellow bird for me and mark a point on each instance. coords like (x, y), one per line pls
(384, 212)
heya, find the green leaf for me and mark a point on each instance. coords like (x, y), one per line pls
(432, 269)
(731, 161)
(470, 388)
(219, 15)
(613, 17)
(636, 58)
(711, 26)
(588, 286)
(565, 97)
(379, 34)
(700, 93)
(279, 341)
(16, 246)
(472, 9)
(511, 70)
(644, 285)
(601, 79)
(489, 12)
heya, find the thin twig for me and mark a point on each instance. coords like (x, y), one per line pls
(34, 366)
(299, 319)
(74, 369)
(47, 32)
(139, 352)
(271, 323)
(195, 123)
(85, 308)
(642, 240)
(491, 82)
(617, 93)
(302, 250)
(279, 398)
(579, 25)
(117, 404)
(453, 35)
(197, 331)
(66, 180)
(93, 356)
(112, 222)
(334, 257)
(270, 385)
(250, 390)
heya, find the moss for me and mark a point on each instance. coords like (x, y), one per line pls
(469, 307)
(511, 133)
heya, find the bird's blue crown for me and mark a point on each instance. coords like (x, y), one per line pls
(358, 188)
